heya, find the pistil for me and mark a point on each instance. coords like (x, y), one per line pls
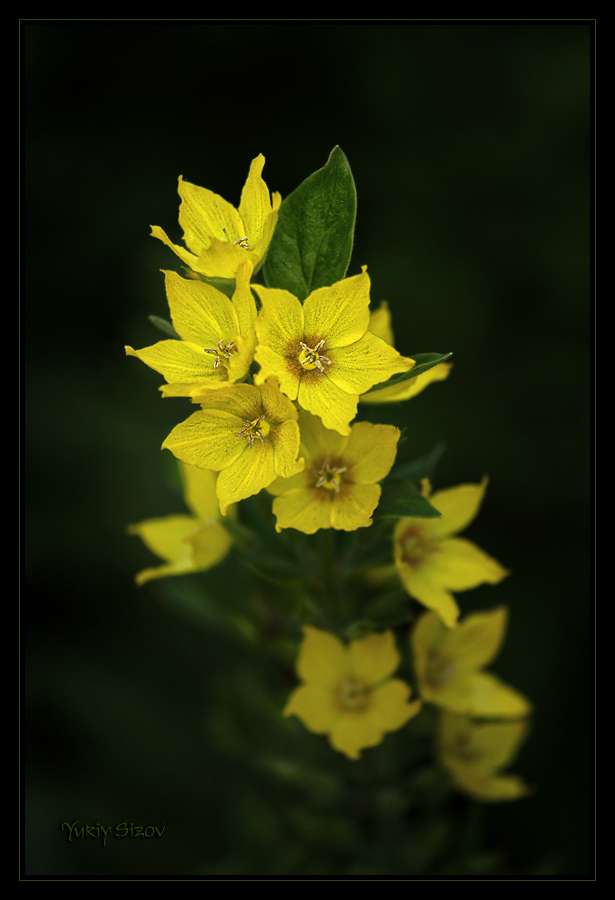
(223, 351)
(352, 695)
(311, 358)
(255, 429)
(327, 477)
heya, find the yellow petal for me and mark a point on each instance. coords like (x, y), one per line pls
(353, 732)
(354, 505)
(243, 300)
(374, 658)
(477, 640)
(430, 593)
(188, 258)
(315, 706)
(390, 709)
(380, 323)
(222, 258)
(200, 314)
(200, 492)
(207, 439)
(248, 474)
(334, 406)
(166, 537)
(319, 443)
(496, 744)
(210, 544)
(479, 694)
(339, 314)
(204, 215)
(460, 565)
(323, 659)
(182, 364)
(486, 787)
(370, 452)
(358, 367)
(255, 206)
(307, 510)
(280, 320)
(284, 439)
(409, 388)
(459, 506)
(488, 746)
(241, 400)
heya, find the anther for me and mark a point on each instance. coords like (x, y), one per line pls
(252, 430)
(223, 352)
(312, 358)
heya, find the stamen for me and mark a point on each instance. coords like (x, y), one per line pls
(253, 429)
(242, 242)
(312, 358)
(327, 476)
(224, 351)
(352, 695)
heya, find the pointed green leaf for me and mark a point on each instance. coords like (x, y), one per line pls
(312, 242)
(423, 362)
(417, 469)
(401, 498)
(164, 326)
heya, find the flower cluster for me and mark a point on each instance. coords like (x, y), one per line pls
(278, 371)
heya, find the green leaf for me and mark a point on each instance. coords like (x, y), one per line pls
(226, 286)
(424, 362)
(164, 326)
(312, 242)
(417, 469)
(401, 497)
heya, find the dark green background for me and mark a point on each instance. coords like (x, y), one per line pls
(469, 142)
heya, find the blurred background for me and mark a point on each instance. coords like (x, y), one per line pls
(469, 143)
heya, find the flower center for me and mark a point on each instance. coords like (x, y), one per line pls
(416, 548)
(222, 352)
(311, 358)
(258, 428)
(352, 695)
(439, 669)
(328, 476)
(464, 751)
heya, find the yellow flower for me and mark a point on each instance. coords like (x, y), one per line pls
(322, 352)
(348, 692)
(187, 543)
(448, 666)
(380, 325)
(338, 487)
(431, 562)
(218, 236)
(475, 753)
(218, 336)
(248, 434)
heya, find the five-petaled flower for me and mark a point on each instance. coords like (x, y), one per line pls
(448, 664)
(248, 434)
(217, 335)
(218, 236)
(474, 754)
(348, 692)
(322, 353)
(187, 543)
(338, 487)
(431, 562)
